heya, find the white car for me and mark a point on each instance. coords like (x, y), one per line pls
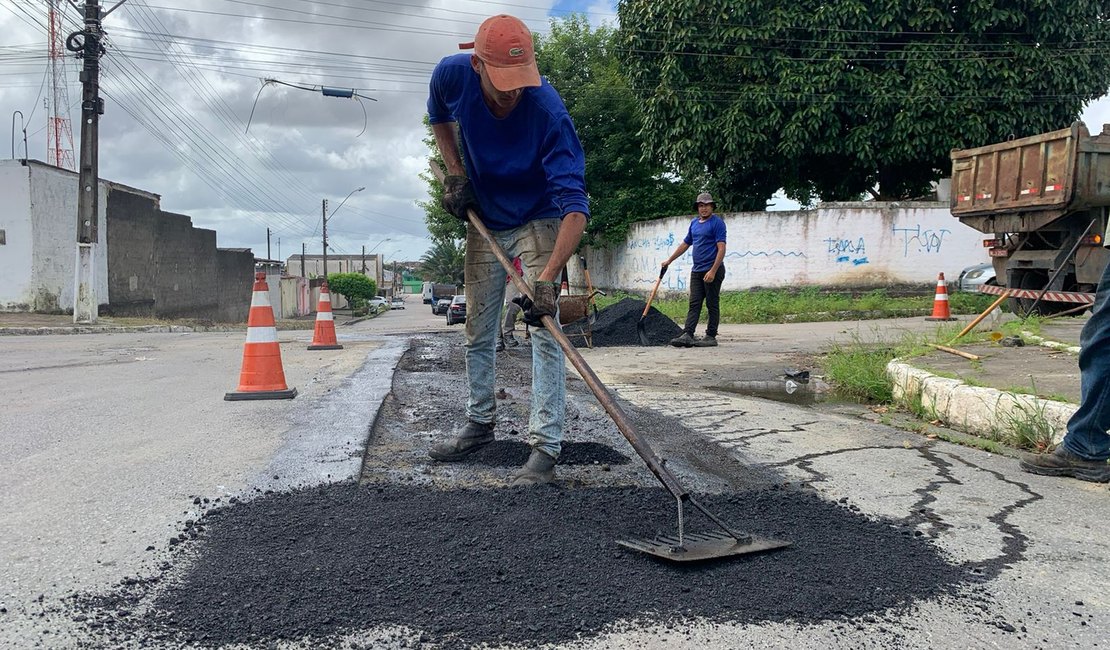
(976, 276)
(397, 303)
(377, 302)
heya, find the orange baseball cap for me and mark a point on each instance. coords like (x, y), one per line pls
(504, 44)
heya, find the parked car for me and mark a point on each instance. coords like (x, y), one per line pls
(377, 302)
(456, 311)
(439, 308)
(976, 276)
(397, 303)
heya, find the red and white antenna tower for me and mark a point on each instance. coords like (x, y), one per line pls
(59, 131)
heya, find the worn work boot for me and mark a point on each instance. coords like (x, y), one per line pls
(500, 345)
(539, 470)
(707, 342)
(1064, 463)
(510, 341)
(683, 341)
(472, 437)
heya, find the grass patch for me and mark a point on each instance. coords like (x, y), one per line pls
(1028, 428)
(811, 304)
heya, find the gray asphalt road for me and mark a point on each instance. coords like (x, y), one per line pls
(107, 439)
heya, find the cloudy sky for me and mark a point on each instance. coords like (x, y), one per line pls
(181, 78)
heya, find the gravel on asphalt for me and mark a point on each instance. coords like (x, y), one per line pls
(527, 566)
(616, 325)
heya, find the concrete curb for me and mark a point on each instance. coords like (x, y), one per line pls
(139, 329)
(1045, 343)
(977, 410)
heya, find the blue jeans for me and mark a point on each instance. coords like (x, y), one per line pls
(485, 292)
(1087, 428)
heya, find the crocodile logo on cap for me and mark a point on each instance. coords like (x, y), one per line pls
(516, 51)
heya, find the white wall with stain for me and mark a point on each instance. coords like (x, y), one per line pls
(864, 244)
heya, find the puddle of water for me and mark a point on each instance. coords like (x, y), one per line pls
(781, 390)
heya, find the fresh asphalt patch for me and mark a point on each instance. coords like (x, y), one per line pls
(512, 453)
(442, 555)
(462, 567)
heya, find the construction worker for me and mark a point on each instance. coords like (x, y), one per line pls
(524, 175)
(707, 237)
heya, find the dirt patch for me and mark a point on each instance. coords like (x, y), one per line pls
(616, 325)
(532, 566)
(1030, 369)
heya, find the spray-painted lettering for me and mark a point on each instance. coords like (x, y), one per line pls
(922, 241)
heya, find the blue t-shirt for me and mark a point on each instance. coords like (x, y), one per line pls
(703, 237)
(528, 165)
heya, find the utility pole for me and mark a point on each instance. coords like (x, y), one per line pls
(325, 213)
(304, 271)
(364, 259)
(87, 46)
(268, 244)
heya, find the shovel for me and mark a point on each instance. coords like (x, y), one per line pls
(725, 542)
(641, 328)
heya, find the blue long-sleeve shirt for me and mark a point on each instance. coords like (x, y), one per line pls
(528, 165)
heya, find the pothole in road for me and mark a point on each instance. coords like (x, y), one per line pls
(464, 567)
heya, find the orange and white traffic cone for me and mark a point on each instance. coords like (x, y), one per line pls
(262, 376)
(323, 337)
(940, 302)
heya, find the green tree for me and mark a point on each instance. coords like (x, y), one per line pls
(443, 262)
(830, 98)
(442, 225)
(355, 287)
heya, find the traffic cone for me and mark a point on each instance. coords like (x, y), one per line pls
(262, 376)
(940, 302)
(323, 337)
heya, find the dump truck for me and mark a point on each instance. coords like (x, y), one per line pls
(1044, 200)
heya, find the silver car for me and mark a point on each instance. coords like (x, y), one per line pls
(976, 276)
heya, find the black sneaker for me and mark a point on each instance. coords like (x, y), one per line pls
(683, 341)
(1064, 463)
(500, 345)
(472, 437)
(707, 342)
(510, 341)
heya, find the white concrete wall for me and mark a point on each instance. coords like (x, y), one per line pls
(54, 217)
(40, 221)
(840, 244)
(15, 221)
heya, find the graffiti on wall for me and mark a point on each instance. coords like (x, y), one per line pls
(928, 240)
(847, 250)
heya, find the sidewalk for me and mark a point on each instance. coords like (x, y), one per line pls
(1038, 382)
(22, 324)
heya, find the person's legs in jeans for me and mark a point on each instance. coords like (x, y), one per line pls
(1087, 429)
(485, 293)
(533, 242)
(713, 303)
(697, 296)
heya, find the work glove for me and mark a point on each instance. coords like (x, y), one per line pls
(545, 303)
(458, 196)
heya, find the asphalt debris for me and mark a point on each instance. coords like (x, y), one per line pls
(513, 453)
(617, 325)
(531, 566)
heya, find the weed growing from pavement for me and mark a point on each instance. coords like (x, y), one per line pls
(1027, 426)
(812, 304)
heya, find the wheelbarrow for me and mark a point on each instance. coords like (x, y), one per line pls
(581, 307)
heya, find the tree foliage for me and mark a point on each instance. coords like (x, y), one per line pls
(830, 98)
(444, 261)
(355, 287)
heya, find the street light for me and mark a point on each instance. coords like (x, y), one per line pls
(324, 212)
(364, 252)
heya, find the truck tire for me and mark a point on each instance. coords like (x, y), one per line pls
(1035, 280)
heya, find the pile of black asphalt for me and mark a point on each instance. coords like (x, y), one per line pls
(513, 453)
(617, 325)
(528, 566)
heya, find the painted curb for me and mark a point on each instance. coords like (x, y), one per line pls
(977, 410)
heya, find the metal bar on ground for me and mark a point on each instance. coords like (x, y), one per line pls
(958, 353)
